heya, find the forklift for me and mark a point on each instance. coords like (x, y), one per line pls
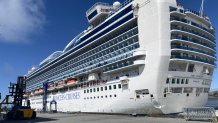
(16, 91)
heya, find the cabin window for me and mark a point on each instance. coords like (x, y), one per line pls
(105, 88)
(97, 89)
(167, 81)
(110, 87)
(115, 86)
(186, 82)
(84, 91)
(173, 81)
(102, 89)
(119, 86)
(182, 81)
(178, 81)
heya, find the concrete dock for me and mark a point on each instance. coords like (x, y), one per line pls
(98, 118)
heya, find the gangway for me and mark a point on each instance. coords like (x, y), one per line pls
(44, 102)
(200, 113)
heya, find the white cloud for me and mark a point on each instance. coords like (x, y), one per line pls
(20, 19)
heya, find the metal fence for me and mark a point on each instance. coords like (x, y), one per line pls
(200, 113)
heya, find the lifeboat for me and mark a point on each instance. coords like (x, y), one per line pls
(39, 91)
(51, 87)
(60, 84)
(71, 81)
(36, 91)
(26, 94)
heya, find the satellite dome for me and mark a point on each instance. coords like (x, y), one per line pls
(116, 4)
(33, 68)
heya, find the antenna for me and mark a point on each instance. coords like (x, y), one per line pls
(202, 8)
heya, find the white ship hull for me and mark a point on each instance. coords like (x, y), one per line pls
(119, 101)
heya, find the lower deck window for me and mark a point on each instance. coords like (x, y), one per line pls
(125, 86)
(143, 91)
(176, 90)
(199, 90)
(188, 90)
(206, 90)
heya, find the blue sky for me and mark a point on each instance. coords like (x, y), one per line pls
(31, 30)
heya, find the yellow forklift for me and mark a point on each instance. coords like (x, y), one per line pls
(18, 112)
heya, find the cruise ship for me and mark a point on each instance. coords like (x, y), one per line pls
(140, 56)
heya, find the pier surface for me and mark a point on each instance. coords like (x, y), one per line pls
(98, 118)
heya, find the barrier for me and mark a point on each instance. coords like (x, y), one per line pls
(200, 113)
(1, 117)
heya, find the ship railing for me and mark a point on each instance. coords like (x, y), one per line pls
(200, 113)
(117, 9)
(193, 24)
(120, 7)
(198, 14)
(192, 58)
(176, 37)
(192, 49)
(192, 32)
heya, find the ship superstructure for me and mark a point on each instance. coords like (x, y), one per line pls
(142, 56)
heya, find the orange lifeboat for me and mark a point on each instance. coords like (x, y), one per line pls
(40, 90)
(71, 81)
(36, 91)
(26, 94)
(51, 87)
(60, 84)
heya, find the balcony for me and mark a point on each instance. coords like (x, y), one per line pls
(176, 28)
(188, 39)
(188, 22)
(176, 11)
(139, 62)
(174, 57)
(118, 66)
(204, 18)
(139, 53)
(193, 49)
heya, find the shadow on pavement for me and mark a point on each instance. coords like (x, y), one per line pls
(37, 120)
